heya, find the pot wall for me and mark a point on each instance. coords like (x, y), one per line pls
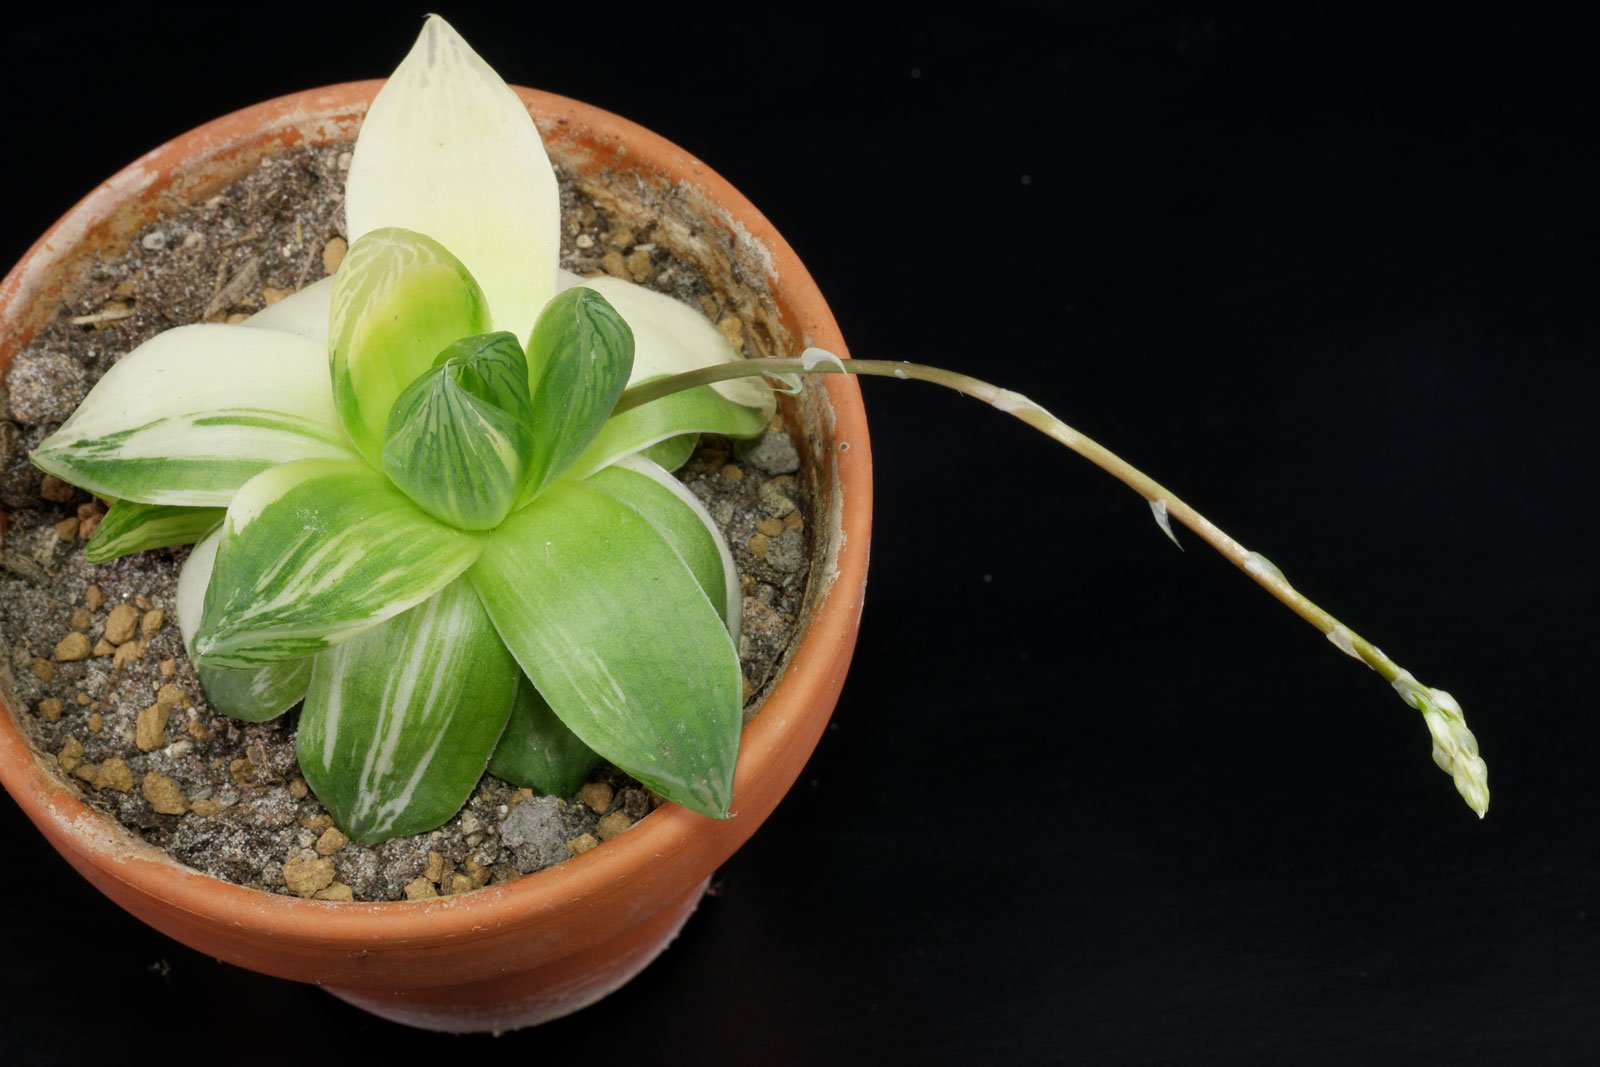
(552, 942)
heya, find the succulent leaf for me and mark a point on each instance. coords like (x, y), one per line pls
(193, 413)
(614, 630)
(129, 526)
(672, 453)
(683, 522)
(398, 300)
(400, 720)
(459, 436)
(254, 694)
(698, 410)
(538, 751)
(304, 313)
(447, 149)
(314, 552)
(671, 337)
(579, 357)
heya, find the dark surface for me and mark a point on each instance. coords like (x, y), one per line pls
(1086, 798)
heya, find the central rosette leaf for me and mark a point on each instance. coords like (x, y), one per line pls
(475, 428)
(460, 436)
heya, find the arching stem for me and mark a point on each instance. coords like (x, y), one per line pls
(1455, 750)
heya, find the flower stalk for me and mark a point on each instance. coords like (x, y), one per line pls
(1455, 749)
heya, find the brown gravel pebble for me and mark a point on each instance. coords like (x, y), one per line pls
(420, 889)
(71, 754)
(104, 648)
(770, 528)
(733, 473)
(306, 874)
(116, 774)
(150, 729)
(50, 709)
(331, 841)
(757, 545)
(126, 653)
(639, 266)
(163, 794)
(173, 697)
(205, 807)
(95, 722)
(168, 668)
(597, 795)
(613, 824)
(434, 871)
(93, 597)
(67, 528)
(150, 625)
(460, 883)
(81, 620)
(121, 624)
(43, 669)
(613, 264)
(298, 789)
(338, 891)
(333, 254)
(54, 489)
(583, 843)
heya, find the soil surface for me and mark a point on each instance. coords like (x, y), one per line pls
(91, 657)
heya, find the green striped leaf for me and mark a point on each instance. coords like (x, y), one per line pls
(400, 720)
(670, 337)
(133, 527)
(683, 522)
(459, 436)
(304, 313)
(538, 751)
(193, 413)
(253, 694)
(579, 359)
(701, 410)
(314, 552)
(614, 630)
(399, 299)
(448, 150)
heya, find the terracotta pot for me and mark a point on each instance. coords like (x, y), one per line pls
(532, 950)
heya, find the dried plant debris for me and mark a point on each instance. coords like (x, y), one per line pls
(93, 663)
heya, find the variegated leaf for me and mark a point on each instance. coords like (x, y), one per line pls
(448, 150)
(304, 313)
(133, 527)
(400, 298)
(400, 720)
(314, 552)
(670, 337)
(579, 358)
(459, 436)
(614, 630)
(700, 410)
(254, 694)
(193, 413)
(683, 522)
(538, 751)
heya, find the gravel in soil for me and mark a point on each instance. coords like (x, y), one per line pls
(91, 658)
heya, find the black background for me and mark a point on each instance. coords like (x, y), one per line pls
(1328, 274)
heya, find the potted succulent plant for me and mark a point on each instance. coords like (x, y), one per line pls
(465, 498)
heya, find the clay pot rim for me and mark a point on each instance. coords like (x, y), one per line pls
(820, 656)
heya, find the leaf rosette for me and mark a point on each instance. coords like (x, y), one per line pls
(414, 513)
